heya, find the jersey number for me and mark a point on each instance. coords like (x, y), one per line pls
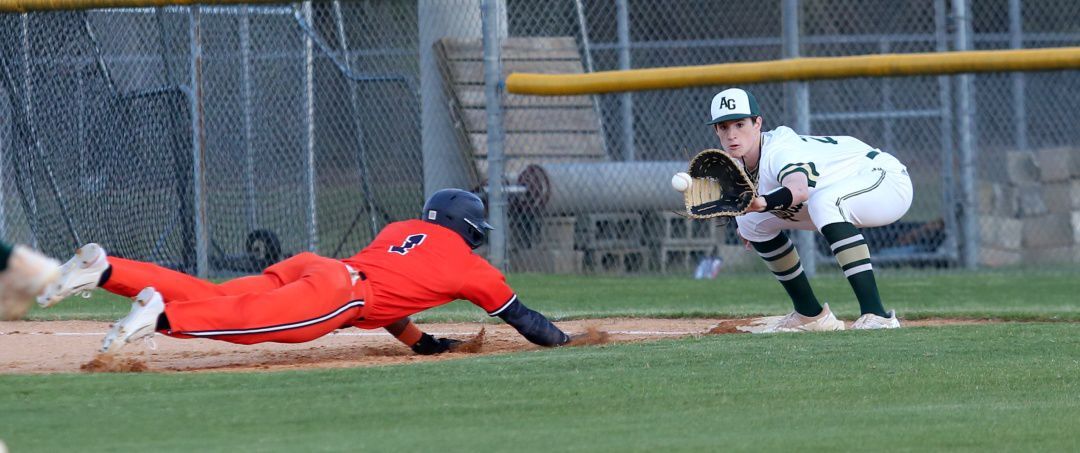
(829, 140)
(410, 242)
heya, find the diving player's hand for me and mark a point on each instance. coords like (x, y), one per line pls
(429, 345)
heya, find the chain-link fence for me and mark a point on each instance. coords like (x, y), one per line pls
(210, 138)
(995, 185)
(219, 139)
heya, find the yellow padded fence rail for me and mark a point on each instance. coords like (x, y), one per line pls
(817, 68)
(25, 6)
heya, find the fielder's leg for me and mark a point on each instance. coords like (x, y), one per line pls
(766, 235)
(853, 256)
(875, 197)
(782, 259)
(24, 273)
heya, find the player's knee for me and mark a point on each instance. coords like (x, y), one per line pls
(825, 211)
(754, 228)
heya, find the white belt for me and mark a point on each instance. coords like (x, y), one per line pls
(353, 273)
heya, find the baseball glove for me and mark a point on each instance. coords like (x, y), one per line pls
(719, 186)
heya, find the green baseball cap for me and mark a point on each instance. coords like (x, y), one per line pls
(733, 104)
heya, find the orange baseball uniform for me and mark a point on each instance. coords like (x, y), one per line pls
(411, 266)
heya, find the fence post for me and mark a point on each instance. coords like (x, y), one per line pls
(493, 88)
(948, 154)
(1019, 81)
(626, 99)
(965, 112)
(6, 136)
(798, 99)
(309, 131)
(3, 139)
(245, 83)
(202, 242)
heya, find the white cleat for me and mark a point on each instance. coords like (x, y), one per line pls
(28, 273)
(79, 274)
(871, 321)
(139, 323)
(795, 322)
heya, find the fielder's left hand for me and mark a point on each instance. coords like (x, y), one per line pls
(757, 205)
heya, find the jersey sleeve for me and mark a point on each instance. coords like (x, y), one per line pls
(807, 168)
(486, 287)
(788, 160)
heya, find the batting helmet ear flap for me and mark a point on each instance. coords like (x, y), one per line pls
(460, 211)
(479, 230)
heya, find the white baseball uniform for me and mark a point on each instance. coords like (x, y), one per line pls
(849, 181)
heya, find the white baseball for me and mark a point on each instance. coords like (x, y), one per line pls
(681, 182)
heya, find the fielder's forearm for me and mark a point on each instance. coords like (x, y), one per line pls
(799, 186)
(533, 326)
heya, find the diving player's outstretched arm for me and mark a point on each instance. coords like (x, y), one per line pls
(532, 325)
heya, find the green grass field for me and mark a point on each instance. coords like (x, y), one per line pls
(1002, 386)
(1028, 296)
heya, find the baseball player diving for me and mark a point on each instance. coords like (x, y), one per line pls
(833, 184)
(409, 267)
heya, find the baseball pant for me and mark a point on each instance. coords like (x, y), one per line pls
(299, 299)
(874, 197)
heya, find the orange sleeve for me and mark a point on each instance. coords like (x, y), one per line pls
(486, 287)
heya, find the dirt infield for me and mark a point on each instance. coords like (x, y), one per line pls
(71, 346)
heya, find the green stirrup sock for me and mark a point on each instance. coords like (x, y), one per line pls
(783, 260)
(853, 255)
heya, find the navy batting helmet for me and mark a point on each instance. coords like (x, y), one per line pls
(460, 211)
